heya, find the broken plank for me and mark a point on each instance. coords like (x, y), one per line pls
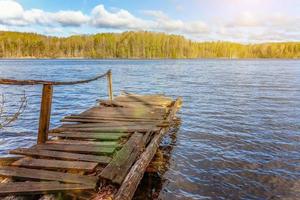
(61, 155)
(18, 172)
(55, 164)
(76, 148)
(30, 188)
(117, 169)
(89, 135)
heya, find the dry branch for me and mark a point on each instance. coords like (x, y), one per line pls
(7, 119)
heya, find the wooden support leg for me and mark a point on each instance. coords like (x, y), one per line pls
(45, 114)
(109, 81)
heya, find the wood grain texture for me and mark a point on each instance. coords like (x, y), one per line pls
(116, 129)
(117, 169)
(45, 113)
(47, 175)
(85, 142)
(76, 148)
(61, 155)
(54, 164)
(89, 135)
(101, 119)
(30, 188)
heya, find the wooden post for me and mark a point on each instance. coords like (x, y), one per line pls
(45, 113)
(109, 81)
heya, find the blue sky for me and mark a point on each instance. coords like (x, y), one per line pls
(202, 20)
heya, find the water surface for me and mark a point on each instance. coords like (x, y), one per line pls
(240, 122)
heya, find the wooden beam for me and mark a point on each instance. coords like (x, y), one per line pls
(127, 189)
(45, 113)
(117, 169)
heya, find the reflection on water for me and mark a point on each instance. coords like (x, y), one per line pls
(240, 131)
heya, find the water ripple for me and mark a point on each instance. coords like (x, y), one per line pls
(240, 121)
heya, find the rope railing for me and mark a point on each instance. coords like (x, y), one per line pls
(42, 82)
(47, 93)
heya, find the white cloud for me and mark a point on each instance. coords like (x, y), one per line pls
(13, 14)
(245, 26)
(10, 10)
(70, 18)
(120, 19)
(36, 16)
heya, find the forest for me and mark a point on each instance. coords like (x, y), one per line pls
(135, 45)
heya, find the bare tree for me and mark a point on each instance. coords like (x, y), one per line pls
(8, 118)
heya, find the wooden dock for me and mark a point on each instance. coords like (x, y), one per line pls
(107, 146)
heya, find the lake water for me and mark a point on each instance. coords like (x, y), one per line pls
(240, 122)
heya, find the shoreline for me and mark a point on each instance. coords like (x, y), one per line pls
(137, 59)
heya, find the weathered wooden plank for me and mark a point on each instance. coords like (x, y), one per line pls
(61, 155)
(120, 129)
(117, 169)
(84, 142)
(47, 175)
(76, 148)
(30, 188)
(116, 112)
(109, 125)
(54, 164)
(132, 104)
(123, 110)
(147, 100)
(100, 119)
(118, 116)
(89, 135)
(6, 161)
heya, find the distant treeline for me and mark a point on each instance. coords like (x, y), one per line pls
(135, 45)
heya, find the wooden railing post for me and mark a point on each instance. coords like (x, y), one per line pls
(109, 82)
(45, 112)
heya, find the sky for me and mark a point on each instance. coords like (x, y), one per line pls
(246, 21)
